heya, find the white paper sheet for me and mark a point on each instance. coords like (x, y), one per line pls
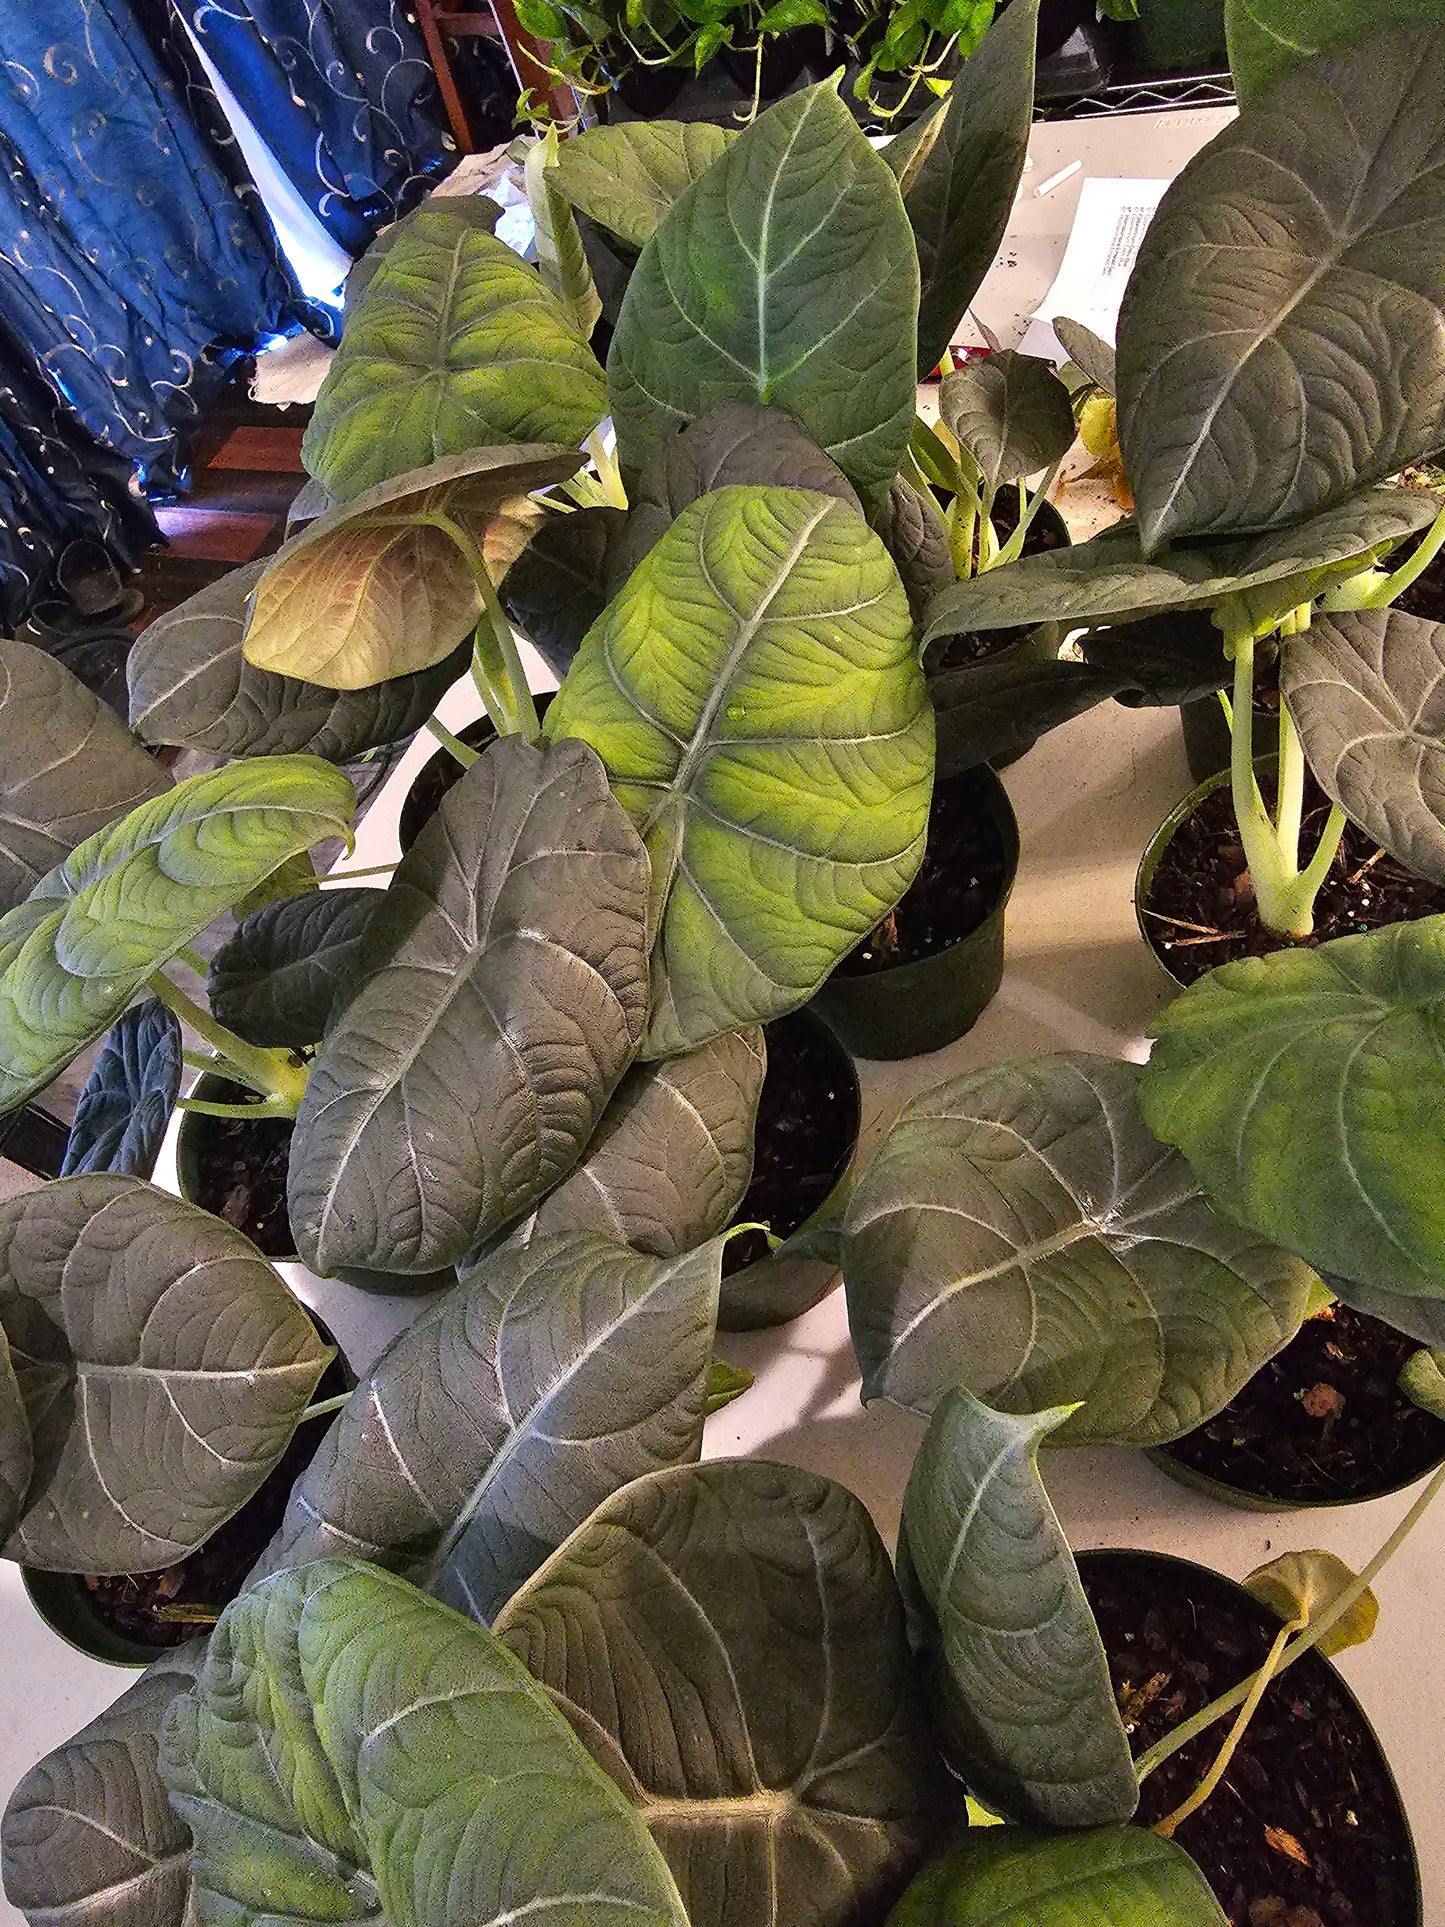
(1111, 223)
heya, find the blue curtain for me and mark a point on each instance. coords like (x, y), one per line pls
(345, 96)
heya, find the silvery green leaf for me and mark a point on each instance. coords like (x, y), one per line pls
(126, 1102)
(17, 1450)
(279, 977)
(911, 529)
(439, 221)
(1010, 411)
(1017, 1877)
(627, 178)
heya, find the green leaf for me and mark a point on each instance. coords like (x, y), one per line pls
(296, 877)
(1089, 352)
(963, 192)
(729, 1640)
(127, 1100)
(354, 1751)
(1108, 579)
(67, 767)
(1422, 1380)
(1001, 705)
(628, 178)
(1027, 1705)
(390, 583)
(1010, 411)
(466, 1076)
(551, 1375)
(911, 529)
(1269, 37)
(438, 222)
(458, 345)
(1160, 660)
(565, 577)
(756, 697)
(1020, 1233)
(1011, 1877)
(1418, 1318)
(1367, 691)
(278, 979)
(17, 1451)
(163, 1365)
(906, 152)
(561, 259)
(785, 275)
(1272, 288)
(75, 953)
(190, 685)
(1306, 1091)
(89, 1838)
(726, 1383)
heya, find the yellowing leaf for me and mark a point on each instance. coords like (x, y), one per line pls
(1303, 1585)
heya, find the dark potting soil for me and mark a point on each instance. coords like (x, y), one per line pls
(1324, 1419)
(954, 652)
(211, 1577)
(1306, 1828)
(1200, 907)
(241, 1172)
(957, 886)
(807, 1128)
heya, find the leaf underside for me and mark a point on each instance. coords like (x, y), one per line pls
(126, 1103)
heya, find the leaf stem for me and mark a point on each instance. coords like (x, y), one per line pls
(1014, 547)
(1167, 1826)
(263, 1107)
(193, 960)
(608, 473)
(276, 1074)
(494, 654)
(454, 744)
(323, 1406)
(373, 869)
(1394, 586)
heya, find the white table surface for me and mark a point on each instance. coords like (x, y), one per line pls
(1077, 977)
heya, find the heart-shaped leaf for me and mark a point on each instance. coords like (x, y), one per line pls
(1368, 693)
(89, 1837)
(564, 578)
(1026, 1699)
(1268, 37)
(1010, 411)
(163, 1365)
(75, 953)
(1089, 352)
(1021, 1233)
(354, 1751)
(191, 685)
(627, 178)
(438, 221)
(457, 345)
(548, 1377)
(962, 193)
(1306, 1091)
(279, 978)
(389, 584)
(1288, 279)
(466, 1076)
(911, 529)
(68, 767)
(785, 275)
(1108, 579)
(1013, 1877)
(728, 1641)
(126, 1102)
(756, 697)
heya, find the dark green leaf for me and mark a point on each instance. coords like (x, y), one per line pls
(911, 529)
(67, 767)
(1421, 1318)
(728, 1640)
(906, 152)
(785, 275)
(1279, 342)
(163, 1365)
(1027, 1704)
(1268, 37)
(1306, 1090)
(466, 1076)
(1089, 352)
(17, 1451)
(278, 979)
(627, 178)
(1021, 1233)
(126, 1102)
(564, 578)
(1001, 705)
(1011, 1877)
(353, 1751)
(1010, 411)
(1160, 660)
(963, 192)
(756, 697)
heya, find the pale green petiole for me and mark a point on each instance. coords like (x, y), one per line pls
(452, 744)
(275, 1075)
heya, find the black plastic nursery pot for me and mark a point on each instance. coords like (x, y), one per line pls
(437, 775)
(933, 985)
(1308, 1816)
(807, 1134)
(784, 57)
(235, 1168)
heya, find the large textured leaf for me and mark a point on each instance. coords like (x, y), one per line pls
(962, 193)
(785, 275)
(728, 1640)
(1267, 37)
(911, 529)
(756, 696)
(1000, 705)
(1282, 337)
(564, 578)
(1010, 411)
(1306, 1090)
(163, 1365)
(1021, 1233)
(75, 953)
(1012, 1877)
(277, 980)
(17, 1450)
(440, 221)
(1419, 1318)
(353, 1751)
(388, 584)
(1027, 1703)
(627, 178)
(126, 1103)
(466, 1076)
(457, 345)
(673, 1154)
(512, 1407)
(191, 685)
(1368, 693)
(1108, 579)
(89, 1837)
(67, 767)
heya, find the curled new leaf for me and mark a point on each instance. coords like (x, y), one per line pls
(278, 978)
(627, 178)
(126, 1103)
(1300, 1586)
(561, 258)
(1010, 411)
